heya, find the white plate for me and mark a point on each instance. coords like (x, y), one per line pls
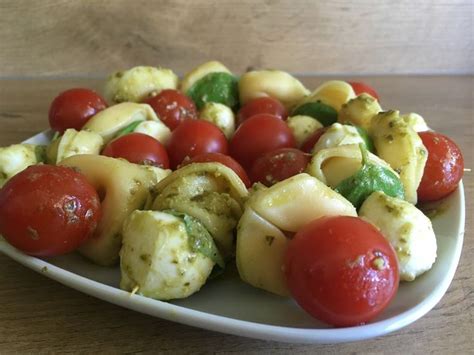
(230, 306)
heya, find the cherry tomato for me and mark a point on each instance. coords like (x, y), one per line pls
(258, 135)
(48, 210)
(341, 270)
(138, 148)
(223, 159)
(173, 107)
(262, 105)
(73, 108)
(311, 141)
(278, 165)
(360, 88)
(444, 167)
(194, 137)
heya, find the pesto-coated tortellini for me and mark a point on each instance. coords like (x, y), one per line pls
(220, 115)
(124, 188)
(337, 135)
(211, 82)
(274, 83)
(17, 157)
(303, 127)
(74, 142)
(138, 83)
(359, 111)
(210, 192)
(415, 121)
(407, 229)
(333, 165)
(285, 206)
(400, 146)
(111, 121)
(162, 255)
(334, 93)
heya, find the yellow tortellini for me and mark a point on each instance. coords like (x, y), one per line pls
(17, 157)
(407, 229)
(359, 111)
(210, 192)
(200, 72)
(113, 119)
(285, 206)
(400, 146)
(335, 164)
(337, 135)
(123, 188)
(334, 93)
(415, 121)
(274, 83)
(220, 115)
(74, 142)
(138, 83)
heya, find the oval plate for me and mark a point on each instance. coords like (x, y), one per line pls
(230, 306)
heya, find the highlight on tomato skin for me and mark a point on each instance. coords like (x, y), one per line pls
(138, 148)
(278, 165)
(48, 210)
(341, 270)
(444, 167)
(73, 108)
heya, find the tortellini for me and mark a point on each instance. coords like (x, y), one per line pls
(400, 146)
(333, 165)
(220, 115)
(74, 142)
(112, 120)
(138, 83)
(200, 72)
(210, 192)
(359, 111)
(336, 135)
(274, 83)
(157, 259)
(123, 187)
(334, 93)
(303, 127)
(407, 229)
(286, 206)
(17, 157)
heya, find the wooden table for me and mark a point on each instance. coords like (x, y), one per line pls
(40, 315)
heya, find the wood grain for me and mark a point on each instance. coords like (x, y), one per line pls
(57, 37)
(40, 315)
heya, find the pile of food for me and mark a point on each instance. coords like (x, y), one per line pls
(313, 194)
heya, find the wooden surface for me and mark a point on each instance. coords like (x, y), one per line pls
(57, 37)
(40, 315)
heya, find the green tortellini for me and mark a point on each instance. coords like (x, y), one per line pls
(325, 114)
(215, 87)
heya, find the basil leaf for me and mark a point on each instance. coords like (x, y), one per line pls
(199, 238)
(215, 87)
(129, 129)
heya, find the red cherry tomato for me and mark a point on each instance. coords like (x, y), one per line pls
(341, 270)
(360, 88)
(223, 159)
(138, 148)
(311, 141)
(73, 108)
(173, 107)
(48, 210)
(194, 137)
(444, 167)
(258, 135)
(278, 165)
(262, 105)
